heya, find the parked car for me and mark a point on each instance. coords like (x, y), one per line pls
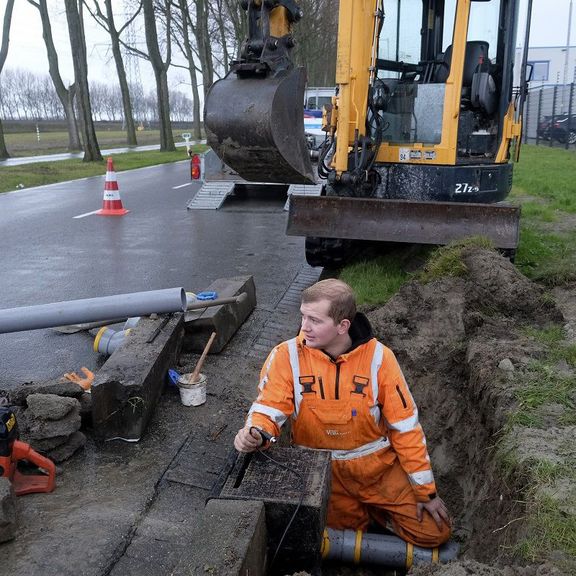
(561, 128)
(314, 101)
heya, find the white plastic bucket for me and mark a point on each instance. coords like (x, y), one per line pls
(192, 393)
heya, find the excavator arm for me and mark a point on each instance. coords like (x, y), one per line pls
(254, 116)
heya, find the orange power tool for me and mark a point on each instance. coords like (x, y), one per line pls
(12, 451)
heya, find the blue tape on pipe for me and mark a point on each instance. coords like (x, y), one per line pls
(206, 295)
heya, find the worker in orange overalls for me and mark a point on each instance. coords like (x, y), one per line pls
(346, 393)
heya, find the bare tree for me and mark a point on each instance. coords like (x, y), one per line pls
(3, 55)
(316, 40)
(78, 44)
(182, 25)
(66, 95)
(160, 68)
(107, 22)
(201, 32)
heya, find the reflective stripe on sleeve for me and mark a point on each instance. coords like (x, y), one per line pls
(264, 379)
(295, 365)
(421, 478)
(275, 415)
(374, 369)
(364, 450)
(406, 425)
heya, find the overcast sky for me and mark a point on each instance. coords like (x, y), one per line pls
(549, 28)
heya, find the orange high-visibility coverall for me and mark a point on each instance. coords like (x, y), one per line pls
(359, 407)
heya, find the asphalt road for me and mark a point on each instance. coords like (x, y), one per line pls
(54, 249)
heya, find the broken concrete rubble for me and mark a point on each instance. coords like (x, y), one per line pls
(8, 518)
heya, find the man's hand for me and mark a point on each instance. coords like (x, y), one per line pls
(436, 508)
(248, 440)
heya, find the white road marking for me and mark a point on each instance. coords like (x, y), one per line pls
(181, 186)
(87, 214)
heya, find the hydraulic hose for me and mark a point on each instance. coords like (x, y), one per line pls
(359, 547)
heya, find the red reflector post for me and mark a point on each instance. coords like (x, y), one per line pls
(195, 167)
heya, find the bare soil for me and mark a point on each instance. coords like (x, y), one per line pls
(463, 345)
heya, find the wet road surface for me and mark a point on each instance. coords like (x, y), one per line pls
(54, 248)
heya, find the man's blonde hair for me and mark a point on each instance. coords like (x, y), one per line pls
(341, 297)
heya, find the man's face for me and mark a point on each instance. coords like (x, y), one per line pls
(320, 331)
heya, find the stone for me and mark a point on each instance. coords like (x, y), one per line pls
(59, 387)
(74, 443)
(8, 517)
(224, 319)
(506, 365)
(39, 429)
(45, 444)
(49, 406)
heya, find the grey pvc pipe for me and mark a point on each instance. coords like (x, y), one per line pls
(92, 310)
(108, 340)
(382, 549)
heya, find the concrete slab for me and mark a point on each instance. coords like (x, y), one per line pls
(294, 485)
(224, 320)
(230, 541)
(127, 388)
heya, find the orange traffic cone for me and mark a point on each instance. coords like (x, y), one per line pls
(111, 205)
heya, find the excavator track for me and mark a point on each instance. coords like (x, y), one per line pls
(327, 252)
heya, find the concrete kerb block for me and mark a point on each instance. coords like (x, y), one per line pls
(8, 517)
(224, 320)
(127, 388)
(230, 540)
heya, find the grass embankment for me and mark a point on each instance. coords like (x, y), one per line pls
(545, 186)
(41, 173)
(27, 143)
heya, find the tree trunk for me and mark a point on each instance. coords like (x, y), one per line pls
(74, 142)
(66, 96)
(192, 69)
(160, 72)
(3, 55)
(124, 89)
(203, 42)
(78, 45)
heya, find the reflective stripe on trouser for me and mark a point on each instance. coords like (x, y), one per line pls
(388, 499)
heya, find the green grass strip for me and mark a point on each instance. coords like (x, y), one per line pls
(41, 173)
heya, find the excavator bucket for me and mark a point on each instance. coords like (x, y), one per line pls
(256, 126)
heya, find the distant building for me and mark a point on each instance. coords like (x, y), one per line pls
(549, 65)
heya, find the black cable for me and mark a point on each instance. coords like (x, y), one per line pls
(300, 477)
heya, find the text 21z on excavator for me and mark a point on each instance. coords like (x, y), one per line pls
(419, 133)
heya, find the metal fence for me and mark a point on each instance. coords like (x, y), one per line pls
(550, 116)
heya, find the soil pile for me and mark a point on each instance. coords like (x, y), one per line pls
(464, 344)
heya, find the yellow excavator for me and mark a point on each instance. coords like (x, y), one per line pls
(426, 113)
